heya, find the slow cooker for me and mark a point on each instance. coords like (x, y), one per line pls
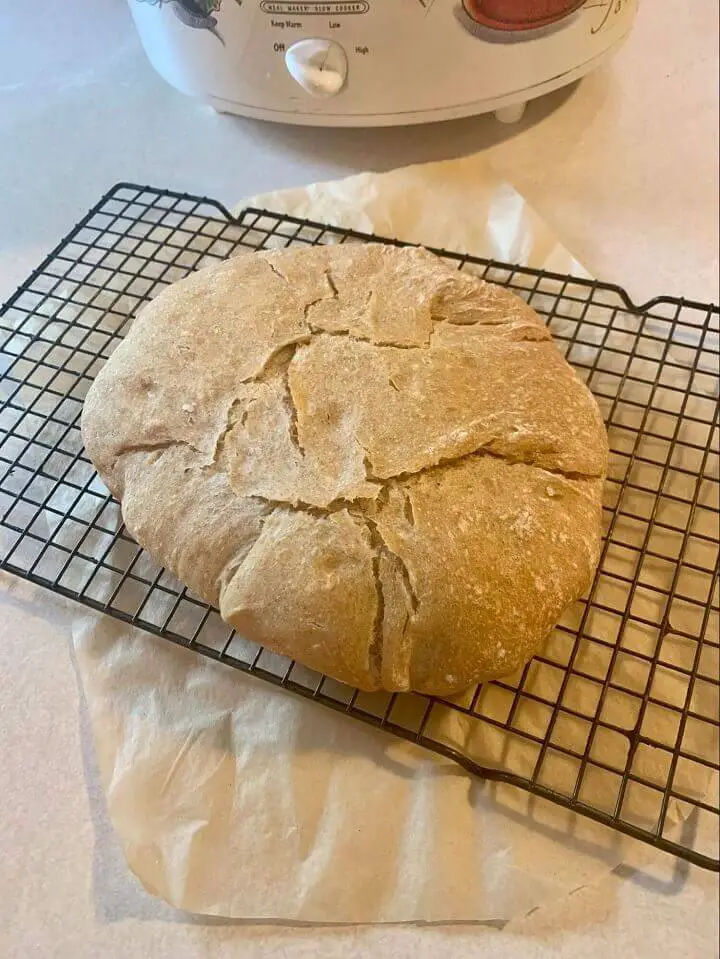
(377, 62)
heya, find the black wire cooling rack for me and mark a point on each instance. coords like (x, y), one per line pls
(617, 719)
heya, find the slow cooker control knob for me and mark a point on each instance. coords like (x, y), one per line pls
(319, 66)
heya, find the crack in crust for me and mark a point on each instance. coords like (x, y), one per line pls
(332, 287)
(316, 330)
(380, 548)
(278, 273)
(236, 562)
(389, 344)
(449, 461)
(375, 651)
(292, 410)
(231, 421)
(408, 511)
(155, 448)
(360, 505)
(309, 306)
(278, 360)
(330, 279)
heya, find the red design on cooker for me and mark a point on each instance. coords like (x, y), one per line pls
(520, 14)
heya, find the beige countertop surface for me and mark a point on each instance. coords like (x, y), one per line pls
(624, 166)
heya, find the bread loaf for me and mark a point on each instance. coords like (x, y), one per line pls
(373, 463)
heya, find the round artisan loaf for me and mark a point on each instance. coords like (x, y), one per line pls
(373, 463)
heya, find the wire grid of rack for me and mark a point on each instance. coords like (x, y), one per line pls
(617, 719)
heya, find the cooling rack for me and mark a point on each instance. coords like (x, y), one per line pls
(617, 719)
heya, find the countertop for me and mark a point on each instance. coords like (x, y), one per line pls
(624, 166)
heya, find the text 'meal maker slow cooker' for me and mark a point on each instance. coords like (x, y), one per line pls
(377, 62)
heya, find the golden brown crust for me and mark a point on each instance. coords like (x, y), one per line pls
(375, 464)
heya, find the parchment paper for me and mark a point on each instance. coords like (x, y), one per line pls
(234, 799)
